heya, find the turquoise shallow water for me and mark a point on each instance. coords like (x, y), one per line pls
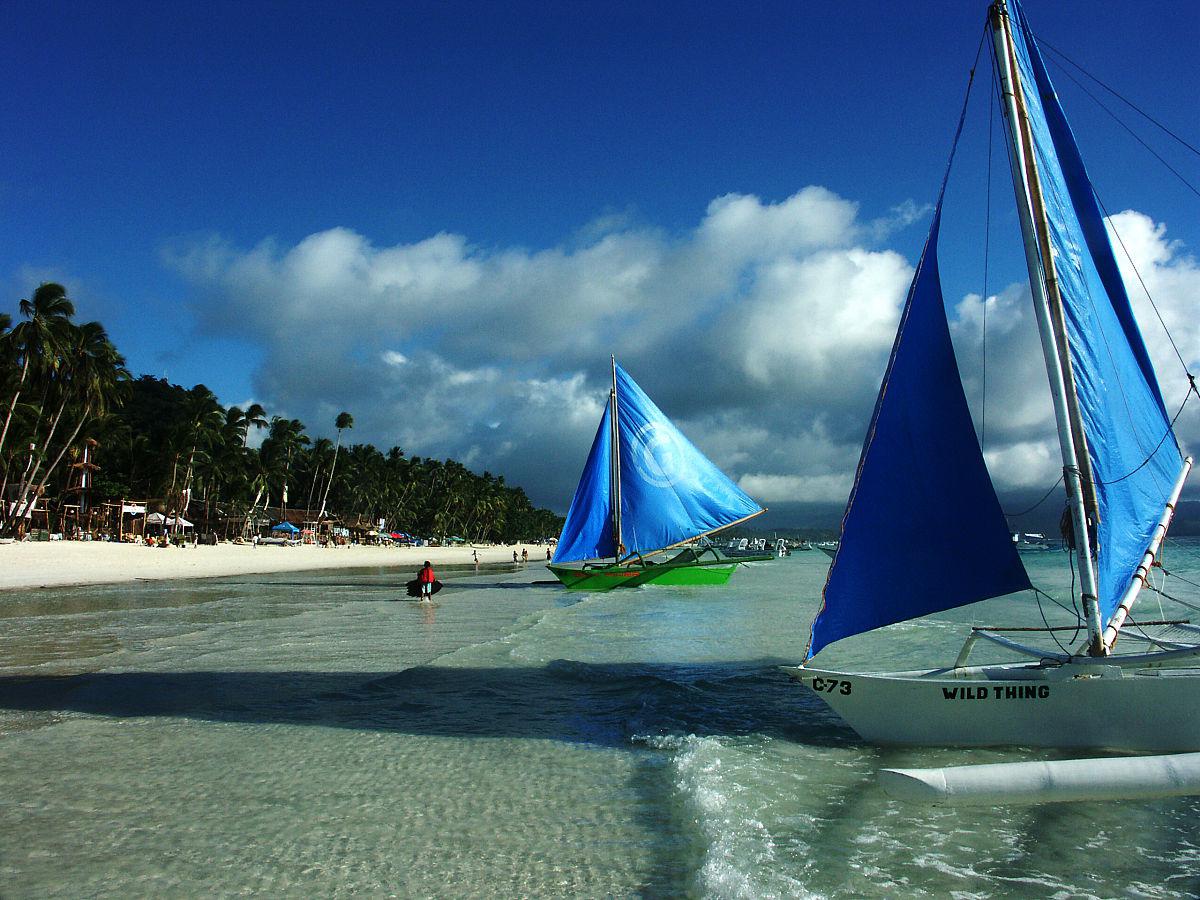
(302, 735)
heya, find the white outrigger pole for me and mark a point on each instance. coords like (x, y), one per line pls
(1047, 301)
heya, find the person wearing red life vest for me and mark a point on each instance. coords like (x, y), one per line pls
(426, 578)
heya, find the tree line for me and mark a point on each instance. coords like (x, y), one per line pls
(68, 391)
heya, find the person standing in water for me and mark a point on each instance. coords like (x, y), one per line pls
(426, 578)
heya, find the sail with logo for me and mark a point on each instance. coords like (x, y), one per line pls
(645, 492)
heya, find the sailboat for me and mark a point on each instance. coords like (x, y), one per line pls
(645, 493)
(922, 471)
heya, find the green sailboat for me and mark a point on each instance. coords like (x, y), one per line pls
(645, 494)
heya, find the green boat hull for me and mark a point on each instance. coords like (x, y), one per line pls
(687, 571)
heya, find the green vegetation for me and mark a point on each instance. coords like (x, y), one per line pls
(63, 385)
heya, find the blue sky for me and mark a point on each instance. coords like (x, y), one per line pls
(153, 151)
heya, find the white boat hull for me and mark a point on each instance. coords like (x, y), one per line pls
(1073, 705)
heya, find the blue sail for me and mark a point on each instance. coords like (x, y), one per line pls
(588, 530)
(923, 531)
(670, 491)
(1134, 455)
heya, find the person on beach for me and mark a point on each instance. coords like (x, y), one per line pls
(426, 578)
(514, 556)
(549, 556)
(524, 554)
(475, 556)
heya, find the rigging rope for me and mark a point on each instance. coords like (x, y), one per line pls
(1045, 497)
(1145, 288)
(1180, 577)
(1127, 102)
(1166, 165)
(1170, 431)
(1181, 602)
(1039, 594)
(987, 243)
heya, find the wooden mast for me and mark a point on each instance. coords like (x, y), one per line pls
(614, 468)
(1043, 282)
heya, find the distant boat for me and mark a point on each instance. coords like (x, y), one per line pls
(922, 472)
(645, 493)
(749, 555)
(749, 550)
(1031, 540)
(829, 548)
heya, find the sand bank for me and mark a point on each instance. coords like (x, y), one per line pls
(58, 563)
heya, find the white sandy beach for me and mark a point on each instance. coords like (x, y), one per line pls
(58, 563)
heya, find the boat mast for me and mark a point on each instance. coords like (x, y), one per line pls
(614, 468)
(1043, 282)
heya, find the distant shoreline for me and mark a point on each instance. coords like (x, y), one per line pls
(30, 565)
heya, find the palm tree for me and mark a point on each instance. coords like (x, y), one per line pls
(35, 341)
(93, 378)
(8, 357)
(255, 417)
(203, 423)
(319, 455)
(284, 439)
(6, 347)
(344, 420)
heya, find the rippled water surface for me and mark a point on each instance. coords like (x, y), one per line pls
(306, 735)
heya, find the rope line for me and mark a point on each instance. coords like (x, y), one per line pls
(1127, 102)
(1145, 288)
(1181, 602)
(1133, 134)
(1169, 433)
(987, 244)
(1039, 594)
(1045, 622)
(1180, 577)
(1045, 497)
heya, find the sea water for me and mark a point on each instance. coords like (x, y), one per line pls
(312, 735)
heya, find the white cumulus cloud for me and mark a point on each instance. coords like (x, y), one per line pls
(762, 331)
